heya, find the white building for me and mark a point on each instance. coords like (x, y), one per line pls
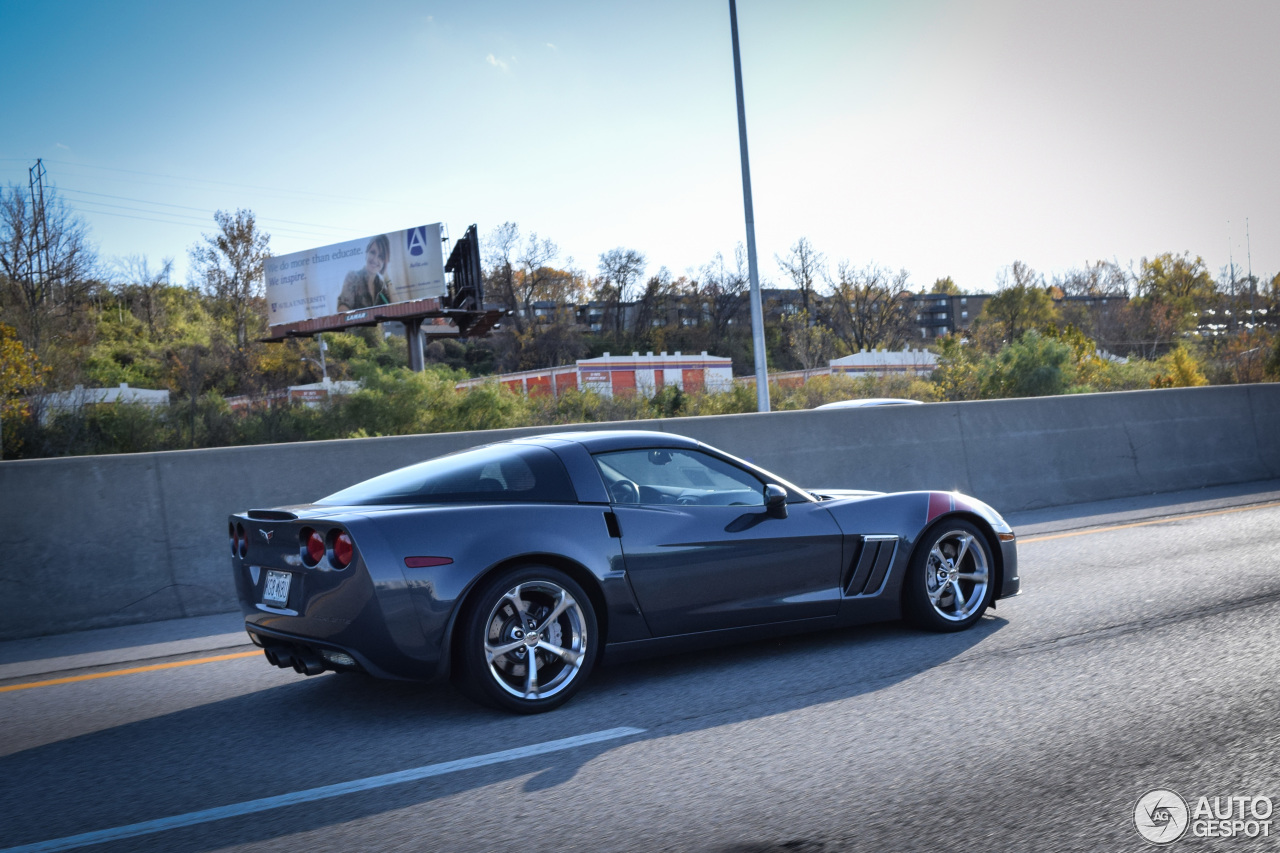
(80, 396)
(883, 362)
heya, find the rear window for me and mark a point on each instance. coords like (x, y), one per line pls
(498, 473)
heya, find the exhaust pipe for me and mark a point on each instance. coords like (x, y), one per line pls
(307, 664)
(279, 656)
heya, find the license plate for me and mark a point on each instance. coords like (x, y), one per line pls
(276, 590)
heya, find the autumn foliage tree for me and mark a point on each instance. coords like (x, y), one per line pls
(227, 265)
(20, 373)
(1022, 304)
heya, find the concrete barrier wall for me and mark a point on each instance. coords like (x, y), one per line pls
(108, 540)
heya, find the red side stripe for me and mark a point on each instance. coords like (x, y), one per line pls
(939, 502)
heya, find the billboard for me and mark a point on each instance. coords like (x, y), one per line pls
(401, 266)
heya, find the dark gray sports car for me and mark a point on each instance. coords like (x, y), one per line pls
(514, 566)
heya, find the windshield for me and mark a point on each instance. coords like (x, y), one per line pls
(497, 473)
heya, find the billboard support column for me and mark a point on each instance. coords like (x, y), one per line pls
(413, 334)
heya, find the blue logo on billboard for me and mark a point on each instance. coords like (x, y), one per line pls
(416, 240)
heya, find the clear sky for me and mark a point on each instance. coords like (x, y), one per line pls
(941, 136)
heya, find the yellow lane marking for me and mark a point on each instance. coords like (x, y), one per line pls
(152, 668)
(1166, 519)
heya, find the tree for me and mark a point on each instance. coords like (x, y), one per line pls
(20, 373)
(1096, 278)
(500, 251)
(538, 280)
(956, 376)
(1032, 366)
(653, 304)
(139, 286)
(869, 307)
(805, 267)
(1244, 356)
(519, 276)
(46, 263)
(1020, 305)
(945, 286)
(1179, 369)
(1148, 326)
(810, 343)
(620, 270)
(228, 266)
(723, 293)
(1177, 280)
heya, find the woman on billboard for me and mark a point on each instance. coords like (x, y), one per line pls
(364, 288)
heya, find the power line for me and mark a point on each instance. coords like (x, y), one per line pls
(204, 210)
(193, 224)
(94, 206)
(215, 182)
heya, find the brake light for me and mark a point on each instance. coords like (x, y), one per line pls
(343, 549)
(313, 548)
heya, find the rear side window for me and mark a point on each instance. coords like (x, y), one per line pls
(499, 474)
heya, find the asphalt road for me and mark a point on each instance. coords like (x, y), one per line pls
(1142, 655)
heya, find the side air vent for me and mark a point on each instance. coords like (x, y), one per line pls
(870, 565)
(611, 522)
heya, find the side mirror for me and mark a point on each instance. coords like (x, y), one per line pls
(775, 500)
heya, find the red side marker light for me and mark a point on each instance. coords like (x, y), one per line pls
(426, 562)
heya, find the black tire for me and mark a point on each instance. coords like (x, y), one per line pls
(532, 613)
(950, 578)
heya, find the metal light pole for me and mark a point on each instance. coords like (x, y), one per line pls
(324, 368)
(757, 313)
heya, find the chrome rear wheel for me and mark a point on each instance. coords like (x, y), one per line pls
(529, 642)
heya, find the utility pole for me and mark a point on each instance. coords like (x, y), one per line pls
(757, 312)
(40, 229)
(38, 246)
(1248, 248)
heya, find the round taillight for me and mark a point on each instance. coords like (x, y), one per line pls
(242, 540)
(235, 542)
(313, 545)
(343, 550)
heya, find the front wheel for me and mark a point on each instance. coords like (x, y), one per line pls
(949, 581)
(528, 641)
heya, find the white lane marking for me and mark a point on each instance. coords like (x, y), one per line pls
(310, 795)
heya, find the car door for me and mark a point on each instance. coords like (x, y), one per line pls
(703, 553)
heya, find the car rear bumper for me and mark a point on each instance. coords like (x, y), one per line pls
(309, 656)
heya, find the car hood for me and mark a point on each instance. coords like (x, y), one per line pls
(843, 494)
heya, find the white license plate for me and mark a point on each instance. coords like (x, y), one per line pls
(276, 590)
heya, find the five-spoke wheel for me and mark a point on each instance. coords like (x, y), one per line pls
(949, 583)
(528, 641)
